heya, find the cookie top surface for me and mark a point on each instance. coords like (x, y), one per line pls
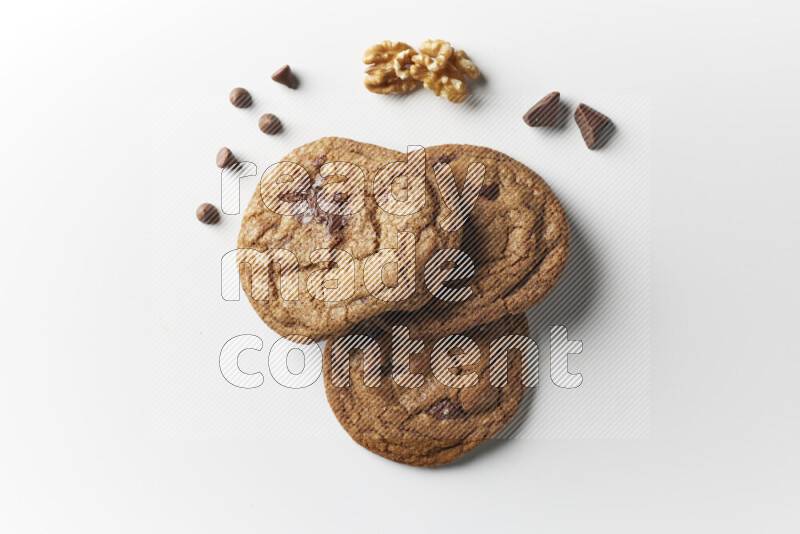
(516, 235)
(295, 209)
(433, 423)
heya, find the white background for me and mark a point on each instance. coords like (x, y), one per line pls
(81, 85)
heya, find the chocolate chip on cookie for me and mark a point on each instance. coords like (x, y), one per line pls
(269, 124)
(240, 98)
(444, 159)
(319, 217)
(489, 191)
(446, 409)
(431, 423)
(314, 212)
(516, 236)
(207, 214)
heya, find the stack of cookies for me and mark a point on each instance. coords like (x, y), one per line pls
(410, 323)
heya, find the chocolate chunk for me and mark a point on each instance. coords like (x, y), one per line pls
(269, 124)
(241, 98)
(592, 124)
(225, 157)
(446, 409)
(333, 223)
(387, 369)
(293, 197)
(443, 159)
(490, 192)
(544, 112)
(207, 214)
(284, 76)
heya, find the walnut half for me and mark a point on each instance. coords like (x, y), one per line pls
(388, 70)
(441, 69)
(395, 67)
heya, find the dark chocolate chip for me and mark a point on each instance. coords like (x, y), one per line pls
(269, 124)
(490, 192)
(446, 409)
(387, 369)
(241, 98)
(592, 124)
(334, 223)
(225, 157)
(293, 196)
(314, 213)
(207, 214)
(284, 76)
(442, 160)
(544, 112)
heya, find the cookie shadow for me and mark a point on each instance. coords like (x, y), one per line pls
(502, 439)
(605, 137)
(473, 101)
(482, 81)
(575, 295)
(571, 305)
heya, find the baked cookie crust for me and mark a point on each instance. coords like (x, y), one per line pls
(359, 235)
(432, 424)
(517, 236)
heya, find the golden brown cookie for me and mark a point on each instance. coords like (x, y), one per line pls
(332, 226)
(517, 237)
(451, 411)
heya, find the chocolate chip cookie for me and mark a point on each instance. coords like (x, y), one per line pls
(426, 403)
(333, 212)
(516, 236)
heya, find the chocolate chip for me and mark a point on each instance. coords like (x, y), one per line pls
(334, 223)
(446, 409)
(442, 160)
(490, 192)
(269, 124)
(207, 214)
(314, 213)
(284, 76)
(544, 112)
(592, 124)
(293, 197)
(387, 369)
(225, 157)
(241, 98)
